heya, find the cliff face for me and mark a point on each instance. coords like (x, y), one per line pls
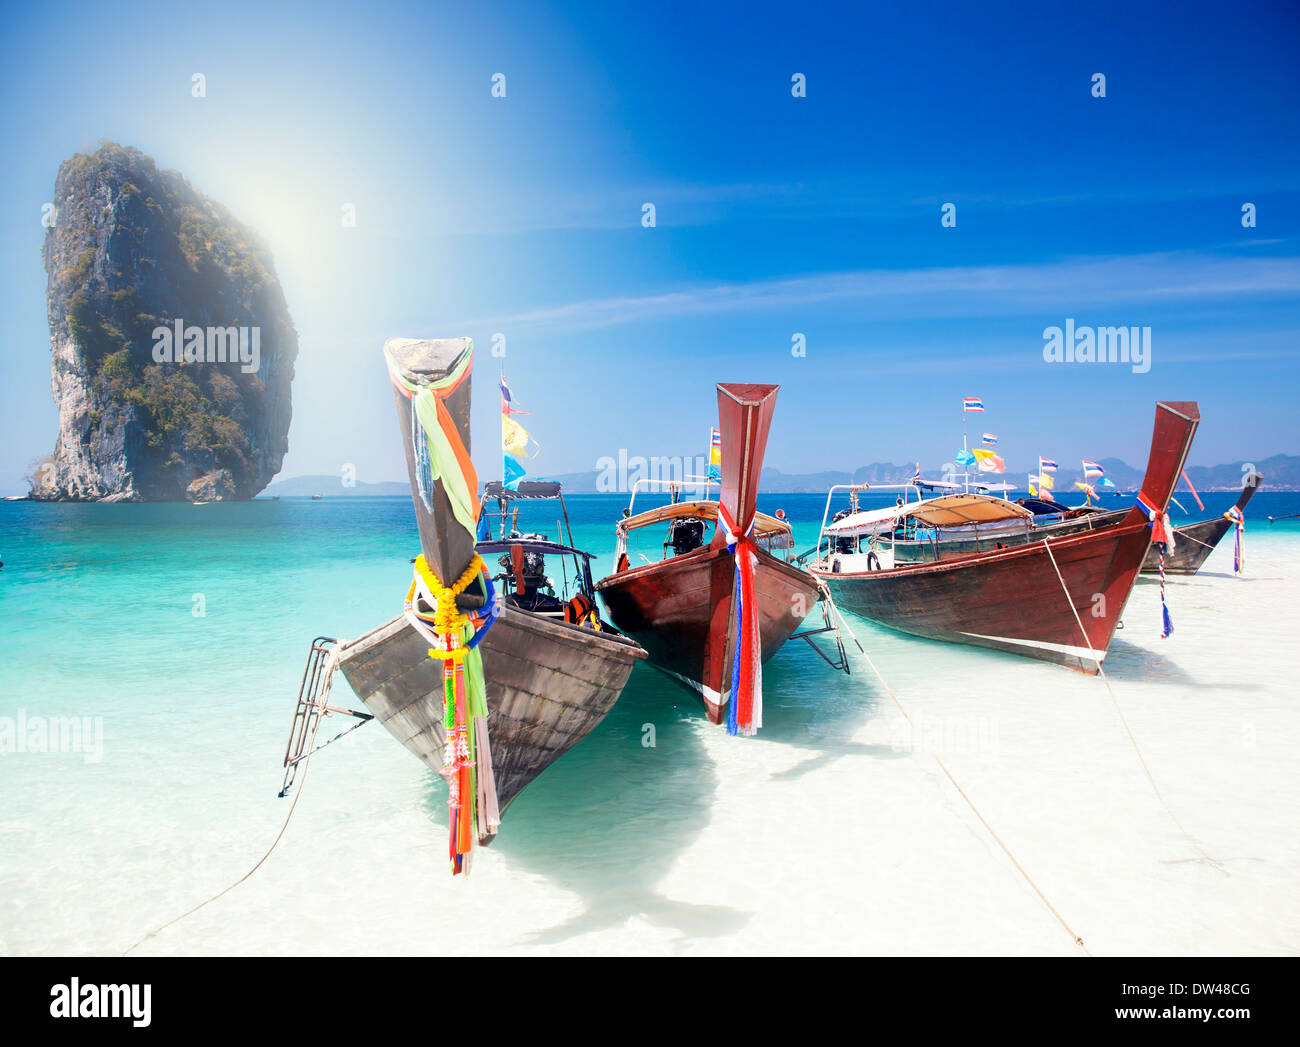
(173, 349)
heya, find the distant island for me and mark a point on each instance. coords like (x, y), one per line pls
(1281, 473)
(172, 346)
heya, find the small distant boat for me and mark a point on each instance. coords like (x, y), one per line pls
(1031, 599)
(200, 503)
(317, 497)
(683, 607)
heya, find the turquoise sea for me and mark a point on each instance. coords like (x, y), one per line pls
(181, 632)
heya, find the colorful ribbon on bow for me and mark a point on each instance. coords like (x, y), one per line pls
(745, 706)
(440, 453)
(467, 756)
(1238, 550)
(1162, 537)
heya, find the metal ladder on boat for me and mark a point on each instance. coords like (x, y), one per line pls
(312, 705)
(840, 662)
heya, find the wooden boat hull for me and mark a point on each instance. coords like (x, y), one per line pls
(1009, 600)
(548, 685)
(681, 612)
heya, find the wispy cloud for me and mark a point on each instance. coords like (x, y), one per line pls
(1069, 285)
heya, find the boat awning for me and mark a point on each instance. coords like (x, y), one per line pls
(538, 545)
(949, 510)
(524, 489)
(763, 524)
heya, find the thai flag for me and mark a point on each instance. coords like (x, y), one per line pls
(1092, 470)
(990, 440)
(505, 391)
(1046, 465)
(972, 403)
(917, 475)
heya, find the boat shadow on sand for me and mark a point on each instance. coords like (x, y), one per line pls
(608, 819)
(1130, 663)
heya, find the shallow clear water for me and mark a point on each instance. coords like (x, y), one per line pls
(833, 831)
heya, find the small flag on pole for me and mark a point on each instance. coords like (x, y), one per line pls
(990, 440)
(916, 476)
(988, 461)
(715, 454)
(1046, 465)
(972, 403)
(1091, 470)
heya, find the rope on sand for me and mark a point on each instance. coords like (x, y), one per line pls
(948, 774)
(1146, 769)
(330, 665)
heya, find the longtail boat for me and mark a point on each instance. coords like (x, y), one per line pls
(683, 608)
(535, 676)
(983, 522)
(1057, 598)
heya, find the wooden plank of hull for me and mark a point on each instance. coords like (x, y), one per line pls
(548, 685)
(1009, 600)
(681, 612)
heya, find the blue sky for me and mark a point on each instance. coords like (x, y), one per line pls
(775, 215)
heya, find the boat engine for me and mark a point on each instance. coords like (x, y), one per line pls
(526, 568)
(843, 545)
(686, 534)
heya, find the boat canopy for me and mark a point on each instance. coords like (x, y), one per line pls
(539, 545)
(524, 489)
(763, 524)
(950, 510)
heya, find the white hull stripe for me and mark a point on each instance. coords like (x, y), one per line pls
(707, 693)
(1084, 653)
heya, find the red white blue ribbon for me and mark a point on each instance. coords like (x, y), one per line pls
(1162, 537)
(1238, 550)
(745, 705)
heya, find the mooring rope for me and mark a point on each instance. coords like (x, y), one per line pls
(1101, 671)
(331, 664)
(826, 593)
